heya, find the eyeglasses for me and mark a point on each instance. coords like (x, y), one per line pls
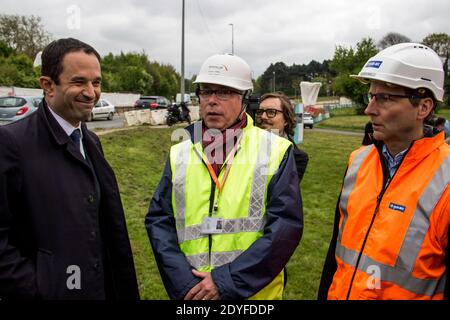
(221, 94)
(383, 98)
(271, 113)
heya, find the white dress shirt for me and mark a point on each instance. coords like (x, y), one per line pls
(68, 128)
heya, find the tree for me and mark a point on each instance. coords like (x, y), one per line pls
(325, 88)
(5, 50)
(18, 70)
(135, 79)
(287, 78)
(440, 42)
(392, 38)
(126, 73)
(133, 72)
(169, 84)
(349, 61)
(24, 34)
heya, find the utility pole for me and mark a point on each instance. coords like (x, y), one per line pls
(182, 56)
(273, 81)
(232, 38)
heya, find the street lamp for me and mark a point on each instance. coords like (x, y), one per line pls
(182, 89)
(232, 38)
(273, 81)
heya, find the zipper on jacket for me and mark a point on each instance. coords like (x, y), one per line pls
(211, 206)
(379, 198)
(386, 184)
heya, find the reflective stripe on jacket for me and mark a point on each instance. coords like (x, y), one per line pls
(241, 204)
(394, 234)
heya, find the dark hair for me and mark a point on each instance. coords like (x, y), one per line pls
(54, 53)
(288, 110)
(422, 93)
(439, 121)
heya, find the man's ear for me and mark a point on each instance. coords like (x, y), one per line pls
(47, 85)
(426, 106)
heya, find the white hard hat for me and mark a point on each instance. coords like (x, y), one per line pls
(226, 70)
(409, 65)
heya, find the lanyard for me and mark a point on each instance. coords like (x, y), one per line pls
(229, 161)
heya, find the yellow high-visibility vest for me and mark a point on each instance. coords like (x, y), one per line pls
(241, 204)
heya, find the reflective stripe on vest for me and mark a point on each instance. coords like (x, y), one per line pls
(401, 273)
(349, 184)
(255, 220)
(179, 186)
(218, 259)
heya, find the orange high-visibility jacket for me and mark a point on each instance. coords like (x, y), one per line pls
(393, 235)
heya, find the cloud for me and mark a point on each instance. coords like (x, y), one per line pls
(292, 31)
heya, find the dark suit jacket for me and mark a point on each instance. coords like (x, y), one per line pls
(62, 226)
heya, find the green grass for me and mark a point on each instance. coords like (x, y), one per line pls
(353, 123)
(343, 112)
(347, 119)
(138, 157)
(444, 112)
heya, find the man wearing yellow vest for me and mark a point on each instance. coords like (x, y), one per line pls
(392, 222)
(227, 214)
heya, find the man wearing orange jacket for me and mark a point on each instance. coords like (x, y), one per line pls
(391, 233)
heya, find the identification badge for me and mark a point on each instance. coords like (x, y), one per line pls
(212, 225)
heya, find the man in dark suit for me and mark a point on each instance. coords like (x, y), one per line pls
(62, 226)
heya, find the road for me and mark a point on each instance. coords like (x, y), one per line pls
(117, 122)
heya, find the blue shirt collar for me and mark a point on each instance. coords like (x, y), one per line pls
(393, 162)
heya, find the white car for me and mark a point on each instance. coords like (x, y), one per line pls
(308, 120)
(103, 109)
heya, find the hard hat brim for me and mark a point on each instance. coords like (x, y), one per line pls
(393, 80)
(223, 81)
(361, 79)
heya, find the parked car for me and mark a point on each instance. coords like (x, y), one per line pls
(308, 120)
(14, 108)
(103, 109)
(152, 102)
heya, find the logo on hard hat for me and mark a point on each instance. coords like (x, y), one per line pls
(374, 64)
(217, 69)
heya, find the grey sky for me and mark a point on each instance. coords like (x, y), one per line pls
(264, 31)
